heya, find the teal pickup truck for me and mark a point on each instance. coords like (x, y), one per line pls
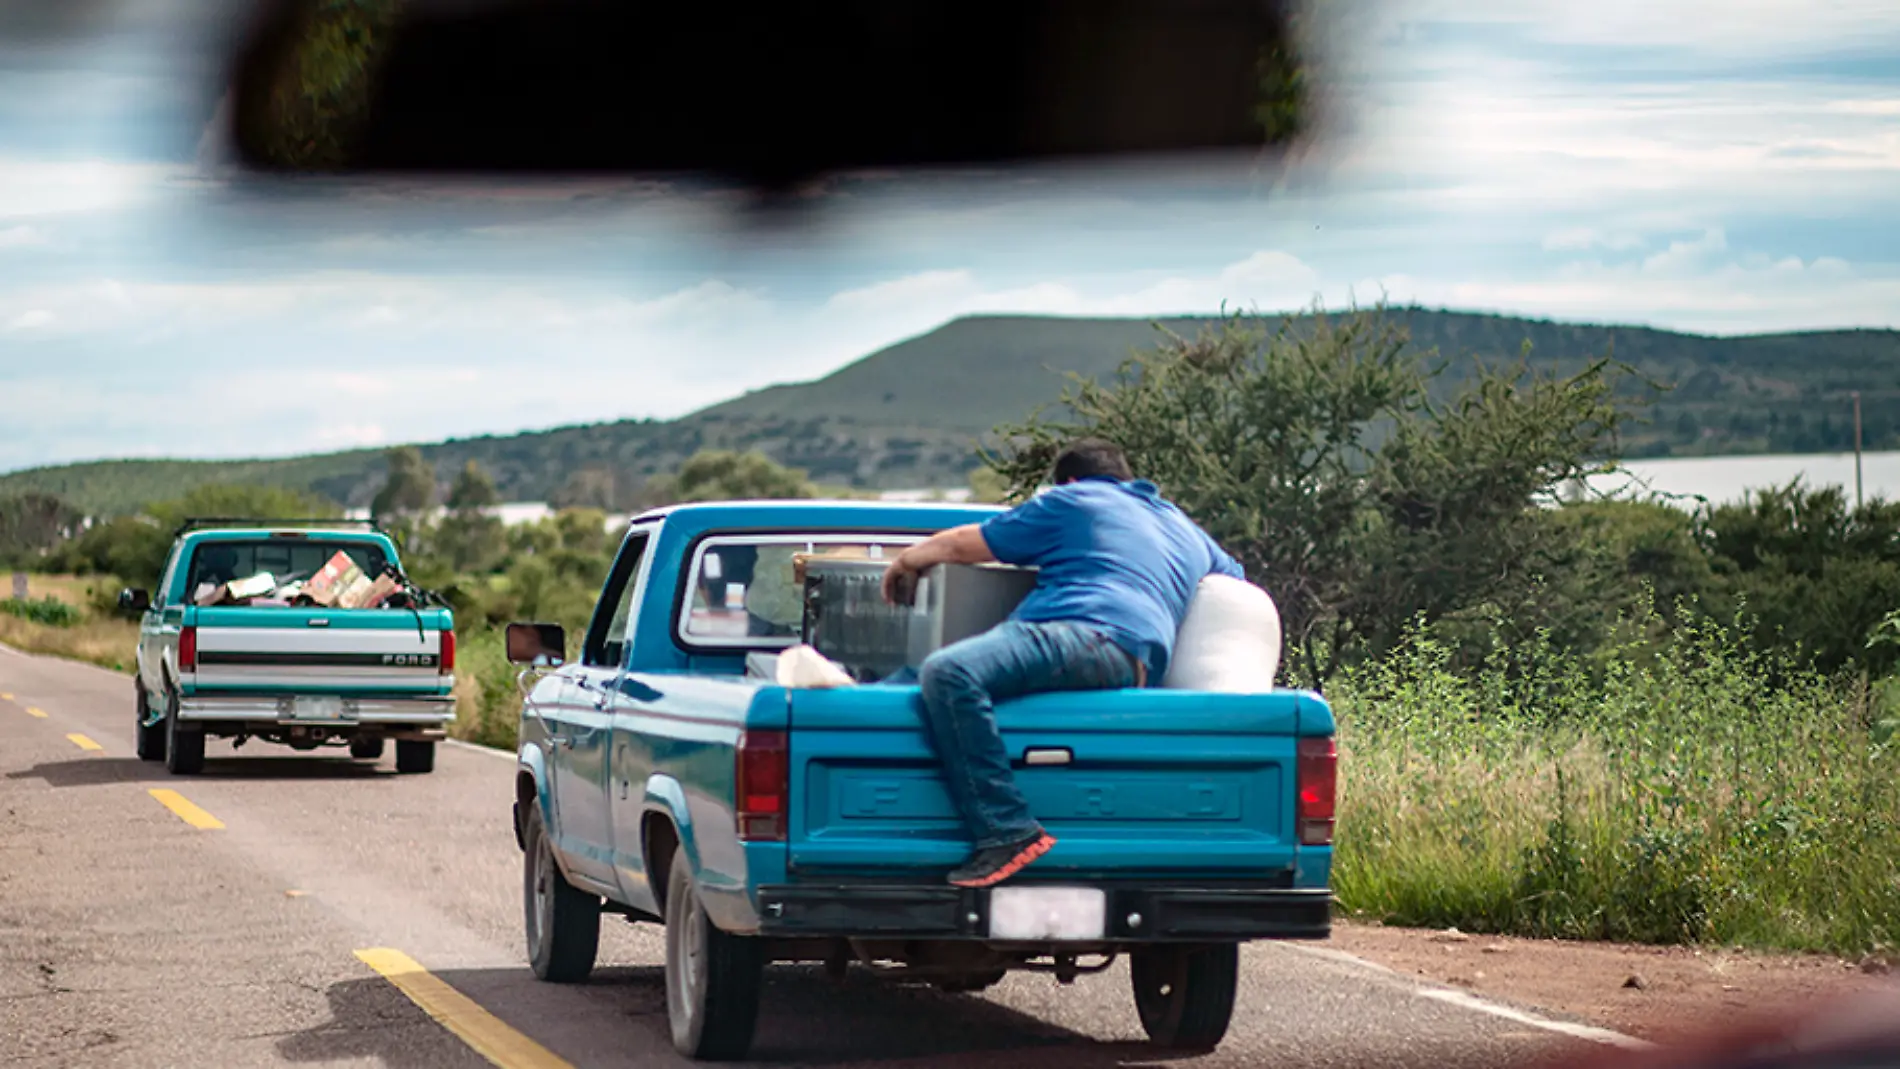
(299, 635)
(665, 775)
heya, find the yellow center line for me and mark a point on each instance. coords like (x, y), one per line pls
(5, 697)
(41, 713)
(481, 1030)
(186, 811)
(83, 742)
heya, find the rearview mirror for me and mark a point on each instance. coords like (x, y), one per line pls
(134, 600)
(673, 89)
(538, 645)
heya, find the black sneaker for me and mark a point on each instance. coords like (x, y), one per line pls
(995, 864)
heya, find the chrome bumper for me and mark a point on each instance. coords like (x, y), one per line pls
(282, 711)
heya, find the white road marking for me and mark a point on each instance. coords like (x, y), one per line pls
(507, 755)
(1340, 956)
(1469, 1001)
(1579, 1031)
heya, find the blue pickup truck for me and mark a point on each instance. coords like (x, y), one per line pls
(664, 776)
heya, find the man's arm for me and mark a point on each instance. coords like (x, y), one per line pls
(958, 545)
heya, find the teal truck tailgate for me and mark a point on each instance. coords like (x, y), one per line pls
(334, 651)
(1149, 783)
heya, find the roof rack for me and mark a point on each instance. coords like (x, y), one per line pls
(194, 523)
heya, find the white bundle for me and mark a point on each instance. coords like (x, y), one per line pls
(1230, 641)
(804, 668)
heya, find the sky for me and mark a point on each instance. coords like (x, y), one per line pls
(1719, 167)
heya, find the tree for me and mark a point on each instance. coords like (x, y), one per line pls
(473, 490)
(468, 536)
(409, 489)
(717, 475)
(1803, 566)
(988, 487)
(1317, 454)
(32, 524)
(134, 548)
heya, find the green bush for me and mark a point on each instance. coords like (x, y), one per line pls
(1676, 795)
(48, 611)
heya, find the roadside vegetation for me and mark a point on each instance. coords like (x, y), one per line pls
(73, 617)
(1560, 715)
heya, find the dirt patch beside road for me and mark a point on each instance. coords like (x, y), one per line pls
(1653, 992)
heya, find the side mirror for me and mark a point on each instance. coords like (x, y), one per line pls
(538, 645)
(134, 600)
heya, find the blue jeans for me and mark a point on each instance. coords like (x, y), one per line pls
(961, 684)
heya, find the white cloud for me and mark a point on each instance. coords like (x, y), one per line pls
(352, 435)
(1769, 29)
(32, 187)
(22, 237)
(1689, 287)
(1579, 238)
(31, 319)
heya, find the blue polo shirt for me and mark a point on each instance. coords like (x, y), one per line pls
(1113, 555)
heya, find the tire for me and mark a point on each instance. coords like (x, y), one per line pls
(184, 750)
(1185, 994)
(415, 758)
(367, 749)
(151, 737)
(712, 978)
(562, 923)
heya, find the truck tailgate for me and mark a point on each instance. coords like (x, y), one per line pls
(342, 651)
(1149, 783)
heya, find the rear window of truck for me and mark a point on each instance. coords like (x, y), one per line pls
(744, 593)
(286, 560)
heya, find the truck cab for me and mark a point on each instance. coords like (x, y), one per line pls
(301, 636)
(667, 776)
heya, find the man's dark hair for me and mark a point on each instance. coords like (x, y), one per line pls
(1086, 457)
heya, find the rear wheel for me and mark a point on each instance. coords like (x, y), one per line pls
(563, 924)
(415, 757)
(151, 737)
(712, 978)
(1185, 994)
(366, 749)
(184, 747)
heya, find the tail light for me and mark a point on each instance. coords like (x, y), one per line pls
(763, 775)
(188, 648)
(445, 664)
(1319, 787)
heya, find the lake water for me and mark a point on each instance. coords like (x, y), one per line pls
(1721, 479)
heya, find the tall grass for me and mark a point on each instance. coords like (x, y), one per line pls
(1684, 790)
(487, 703)
(68, 616)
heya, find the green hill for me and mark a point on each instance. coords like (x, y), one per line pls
(907, 415)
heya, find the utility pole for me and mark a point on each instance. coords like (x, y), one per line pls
(1857, 449)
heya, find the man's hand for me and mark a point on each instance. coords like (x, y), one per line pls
(900, 582)
(958, 545)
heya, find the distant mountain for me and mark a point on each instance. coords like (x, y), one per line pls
(908, 415)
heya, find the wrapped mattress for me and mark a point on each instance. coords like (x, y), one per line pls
(1229, 642)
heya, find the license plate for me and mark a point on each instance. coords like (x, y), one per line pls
(317, 709)
(1048, 914)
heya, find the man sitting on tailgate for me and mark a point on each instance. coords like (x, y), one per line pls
(1118, 566)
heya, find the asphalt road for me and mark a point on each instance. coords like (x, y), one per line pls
(233, 935)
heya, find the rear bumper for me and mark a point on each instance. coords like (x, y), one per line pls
(1150, 914)
(421, 712)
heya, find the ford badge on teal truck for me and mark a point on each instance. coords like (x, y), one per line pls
(294, 634)
(666, 775)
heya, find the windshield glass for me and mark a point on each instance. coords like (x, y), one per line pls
(747, 591)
